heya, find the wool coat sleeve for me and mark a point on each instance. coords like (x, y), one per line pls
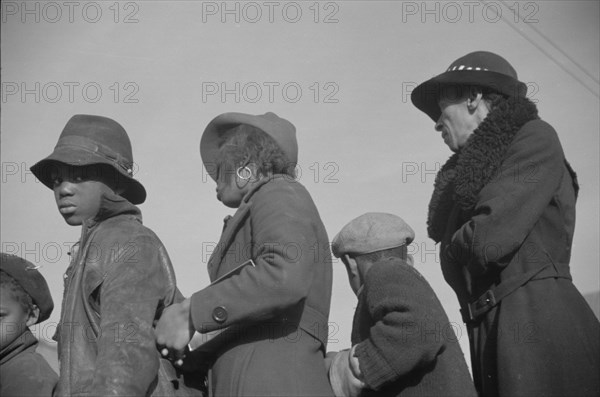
(406, 334)
(127, 361)
(282, 239)
(511, 204)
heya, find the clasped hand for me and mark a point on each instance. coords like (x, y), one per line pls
(174, 330)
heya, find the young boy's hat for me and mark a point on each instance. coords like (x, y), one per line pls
(281, 130)
(87, 140)
(370, 232)
(32, 281)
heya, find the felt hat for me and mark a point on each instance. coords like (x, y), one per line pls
(481, 68)
(281, 130)
(370, 232)
(87, 140)
(31, 280)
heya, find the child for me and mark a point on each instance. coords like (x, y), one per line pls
(25, 301)
(120, 278)
(403, 343)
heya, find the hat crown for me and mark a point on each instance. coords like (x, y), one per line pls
(100, 134)
(483, 61)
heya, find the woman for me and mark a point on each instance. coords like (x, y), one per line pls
(504, 211)
(271, 271)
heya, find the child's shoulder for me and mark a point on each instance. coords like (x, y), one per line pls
(125, 228)
(28, 373)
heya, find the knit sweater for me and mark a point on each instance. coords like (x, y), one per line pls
(404, 341)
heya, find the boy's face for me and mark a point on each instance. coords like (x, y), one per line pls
(13, 318)
(78, 192)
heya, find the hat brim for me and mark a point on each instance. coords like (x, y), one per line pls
(212, 136)
(134, 191)
(426, 95)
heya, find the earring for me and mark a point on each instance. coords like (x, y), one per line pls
(247, 173)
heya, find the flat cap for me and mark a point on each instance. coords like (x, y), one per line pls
(370, 232)
(32, 281)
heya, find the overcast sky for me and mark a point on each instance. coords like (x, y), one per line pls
(340, 71)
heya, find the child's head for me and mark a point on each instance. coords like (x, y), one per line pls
(369, 239)
(93, 156)
(25, 298)
(239, 149)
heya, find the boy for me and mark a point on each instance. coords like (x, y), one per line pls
(120, 277)
(25, 301)
(403, 343)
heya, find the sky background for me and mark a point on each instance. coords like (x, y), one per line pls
(340, 71)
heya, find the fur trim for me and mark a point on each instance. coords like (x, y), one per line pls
(468, 171)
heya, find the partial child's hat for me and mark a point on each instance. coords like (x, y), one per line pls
(91, 140)
(370, 232)
(481, 68)
(31, 280)
(281, 130)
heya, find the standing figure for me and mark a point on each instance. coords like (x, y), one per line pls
(25, 300)
(402, 341)
(271, 270)
(120, 277)
(503, 209)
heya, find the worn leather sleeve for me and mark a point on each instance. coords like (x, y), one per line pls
(127, 361)
(407, 324)
(283, 240)
(510, 205)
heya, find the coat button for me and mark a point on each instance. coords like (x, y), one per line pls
(219, 314)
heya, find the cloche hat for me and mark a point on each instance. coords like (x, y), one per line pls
(281, 130)
(480, 68)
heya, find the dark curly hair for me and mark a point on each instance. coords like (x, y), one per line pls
(16, 292)
(246, 144)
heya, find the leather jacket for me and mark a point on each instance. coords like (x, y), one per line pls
(119, 281)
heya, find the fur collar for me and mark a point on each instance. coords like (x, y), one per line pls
(468, 171)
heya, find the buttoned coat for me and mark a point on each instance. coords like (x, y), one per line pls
(275, 309)
(504, 210)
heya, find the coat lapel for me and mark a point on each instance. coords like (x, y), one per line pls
(232, 226)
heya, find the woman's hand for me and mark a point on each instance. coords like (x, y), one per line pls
(174, 330)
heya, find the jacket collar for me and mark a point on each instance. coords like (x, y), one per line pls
(23, 342)
(465, 173)
(112, 205)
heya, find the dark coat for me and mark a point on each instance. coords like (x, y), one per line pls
(23, 372)
(275, 312)
(119, 281)
(504, 210)
(405, 344)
